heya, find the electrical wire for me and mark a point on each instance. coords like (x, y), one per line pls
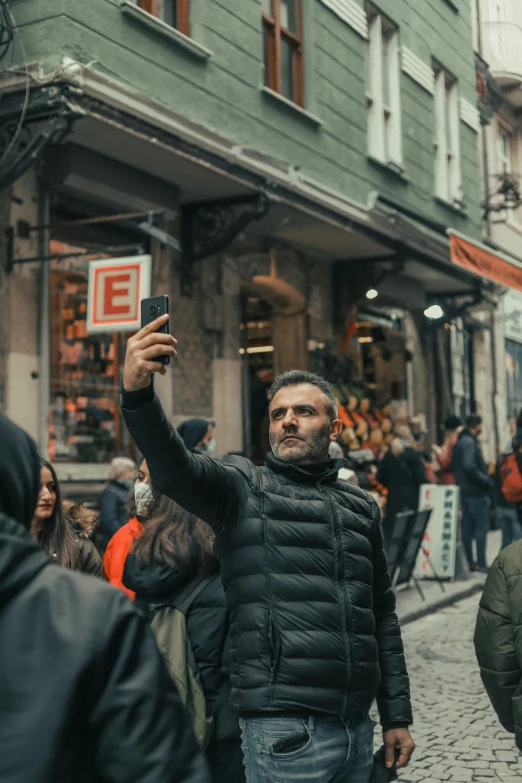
(6, 28)
(5, 7)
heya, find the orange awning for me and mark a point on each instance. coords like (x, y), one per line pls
(481, 261)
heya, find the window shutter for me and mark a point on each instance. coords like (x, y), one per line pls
(441, 142)
(376, 145)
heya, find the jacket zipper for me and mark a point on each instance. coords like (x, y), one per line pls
(347, 608)
(271, 619)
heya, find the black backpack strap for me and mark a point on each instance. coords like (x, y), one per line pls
(190, 594)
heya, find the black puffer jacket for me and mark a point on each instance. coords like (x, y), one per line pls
(207, 627)
(311, 606)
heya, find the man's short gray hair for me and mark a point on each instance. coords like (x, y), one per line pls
(120, 465)
(296, 377)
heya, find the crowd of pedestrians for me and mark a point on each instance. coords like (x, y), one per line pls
(261, 623)
(223, 621)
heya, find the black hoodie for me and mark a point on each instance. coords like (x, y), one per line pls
(84, 696)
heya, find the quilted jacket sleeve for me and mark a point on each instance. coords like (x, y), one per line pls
(201, 485)
(393, 696)
(495, 646)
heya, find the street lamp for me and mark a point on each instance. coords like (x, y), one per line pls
(434, 312)
(372, 294)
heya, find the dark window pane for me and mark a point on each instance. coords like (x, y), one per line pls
(287, 68)
(289, 15)
(266, 48)
(168, 12)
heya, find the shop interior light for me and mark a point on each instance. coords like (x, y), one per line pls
(372, 294)
(434, 312)
(258, 349)
(368, 339)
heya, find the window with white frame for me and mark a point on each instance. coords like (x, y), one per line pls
(505, 150)
(383, 90)
(448, 175)
(506, 153)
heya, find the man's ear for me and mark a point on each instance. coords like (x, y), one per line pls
(336, 428)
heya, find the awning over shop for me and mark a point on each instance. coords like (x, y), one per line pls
(482, 261)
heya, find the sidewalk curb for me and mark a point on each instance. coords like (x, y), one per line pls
(442, 603)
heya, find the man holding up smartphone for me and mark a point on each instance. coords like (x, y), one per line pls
(315, 637)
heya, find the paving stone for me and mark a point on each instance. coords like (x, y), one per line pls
(457, 733)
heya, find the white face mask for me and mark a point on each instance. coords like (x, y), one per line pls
(143, 498)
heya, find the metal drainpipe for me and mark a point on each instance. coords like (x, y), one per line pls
(487, 221)
(44, 339)
(495, 380)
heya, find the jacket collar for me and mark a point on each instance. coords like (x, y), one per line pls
(301, 475)
(467, 433)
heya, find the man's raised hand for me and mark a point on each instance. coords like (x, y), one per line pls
(142, 352)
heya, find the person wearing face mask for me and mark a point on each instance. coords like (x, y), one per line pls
(141, 507)
(54, 530)
(197, 435)
(114, 498)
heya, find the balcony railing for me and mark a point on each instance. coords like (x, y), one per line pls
(503, 51)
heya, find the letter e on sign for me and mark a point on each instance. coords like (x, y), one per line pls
(116, 288)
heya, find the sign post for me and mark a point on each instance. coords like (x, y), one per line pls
(440, 540)
(116, 288)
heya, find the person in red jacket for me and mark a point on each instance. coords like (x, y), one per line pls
(121, 543)
(452, 426)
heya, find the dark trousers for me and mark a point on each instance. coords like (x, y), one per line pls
(475, 527)
(225, 759)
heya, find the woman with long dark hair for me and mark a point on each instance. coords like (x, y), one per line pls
(65, 544)
(172, 563)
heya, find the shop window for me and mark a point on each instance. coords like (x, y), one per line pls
(383, 91)
(448, 176)
(283, 45)
(84, 419)
(173, 12)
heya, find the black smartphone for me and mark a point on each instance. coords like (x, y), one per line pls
(151, 309)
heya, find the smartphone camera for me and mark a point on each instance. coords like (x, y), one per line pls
(153, 309)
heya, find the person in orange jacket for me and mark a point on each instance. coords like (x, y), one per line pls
(121, 543)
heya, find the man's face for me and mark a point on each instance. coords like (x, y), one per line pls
(300, 428)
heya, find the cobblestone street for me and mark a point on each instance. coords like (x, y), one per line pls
(457, 733)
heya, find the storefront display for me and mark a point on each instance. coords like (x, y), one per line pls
(84, 419)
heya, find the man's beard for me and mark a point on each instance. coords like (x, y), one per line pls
(309, 452)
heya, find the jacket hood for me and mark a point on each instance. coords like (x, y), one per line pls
(21, 559)
(313, 474)
(152, 582)
(19, 473)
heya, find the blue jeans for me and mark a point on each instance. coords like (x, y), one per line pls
(475, 527)
(507, 520)
(307, 750)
